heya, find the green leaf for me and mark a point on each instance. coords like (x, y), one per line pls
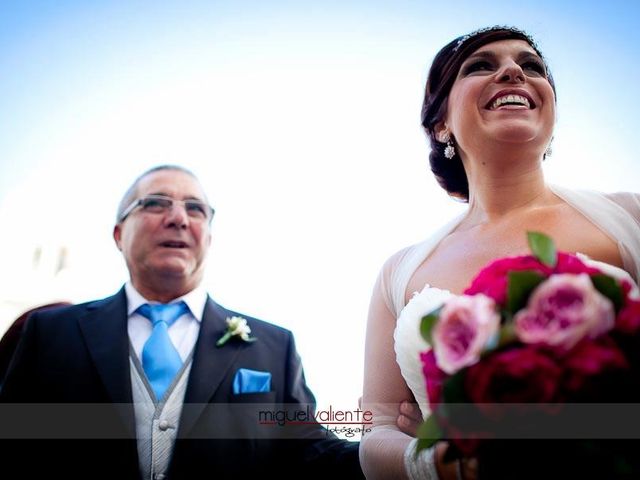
(506, 335)
(610, 288)
(428, 434)
(543, 248)
(427, 323)
(519, 287)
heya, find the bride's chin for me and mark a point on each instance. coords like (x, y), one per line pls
(520, 133)
(520, 140)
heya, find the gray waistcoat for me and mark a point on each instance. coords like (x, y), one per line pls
(156, 423)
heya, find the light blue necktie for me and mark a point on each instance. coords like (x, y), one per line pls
(160, 359)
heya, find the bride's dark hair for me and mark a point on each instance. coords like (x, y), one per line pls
(442, 74)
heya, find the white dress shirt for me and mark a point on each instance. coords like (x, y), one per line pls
(183, 332)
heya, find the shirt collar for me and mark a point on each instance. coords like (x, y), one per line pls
(195, 300)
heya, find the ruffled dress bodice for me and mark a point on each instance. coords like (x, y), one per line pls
(408, 342)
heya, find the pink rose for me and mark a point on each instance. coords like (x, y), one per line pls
(563, 310)
(465, 326)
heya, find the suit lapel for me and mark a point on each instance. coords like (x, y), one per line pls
(210, 364)
(104, 328)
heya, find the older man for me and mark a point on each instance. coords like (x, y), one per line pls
(177, 390)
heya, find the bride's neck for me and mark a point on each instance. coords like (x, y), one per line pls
(498, 190)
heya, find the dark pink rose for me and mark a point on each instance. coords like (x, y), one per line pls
(434, 378)
(519, 375)
(622, 277)
(628, 320)
(467, 442)
(568, 263)
(563, 310)
(629, 288)
(492, 280)
(587, 360)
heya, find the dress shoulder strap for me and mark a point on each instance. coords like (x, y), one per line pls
(411, 260)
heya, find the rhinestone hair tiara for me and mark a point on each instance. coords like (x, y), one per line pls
(466, 37)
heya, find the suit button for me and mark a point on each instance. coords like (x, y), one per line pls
(163, 425)
(159, 476)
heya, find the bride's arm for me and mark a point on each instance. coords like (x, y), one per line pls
(386, 452)
(382, 449)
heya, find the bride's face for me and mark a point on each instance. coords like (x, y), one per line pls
(501, 94)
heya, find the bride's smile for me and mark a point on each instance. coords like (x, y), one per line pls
(502, 94)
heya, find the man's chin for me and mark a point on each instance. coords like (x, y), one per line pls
(174, 271)
(174, 268)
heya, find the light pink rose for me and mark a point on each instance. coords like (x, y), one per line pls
(465, 325)
(562, 311)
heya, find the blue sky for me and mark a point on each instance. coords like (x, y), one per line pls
(302, 120)
(61, 58)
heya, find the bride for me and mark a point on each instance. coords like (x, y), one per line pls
(489, 112)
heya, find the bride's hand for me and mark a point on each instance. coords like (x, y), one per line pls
(409, 418)
(469, 468)
(462, 469)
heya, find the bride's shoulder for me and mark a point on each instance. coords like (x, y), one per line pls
(395, 262)
(620, 197)
(405, 255)
(399, 256)
(408, 258)
(630, 201)
(597, 202)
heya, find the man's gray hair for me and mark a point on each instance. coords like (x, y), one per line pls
(132, 192)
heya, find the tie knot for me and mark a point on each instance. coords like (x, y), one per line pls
(163, 313)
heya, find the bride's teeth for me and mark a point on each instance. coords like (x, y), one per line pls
(517, 99)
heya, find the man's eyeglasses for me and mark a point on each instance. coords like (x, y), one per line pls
(196, 209)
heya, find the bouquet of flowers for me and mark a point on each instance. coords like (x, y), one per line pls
(533, 339)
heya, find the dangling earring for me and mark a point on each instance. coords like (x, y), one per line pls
(449, 150)
(549, 151)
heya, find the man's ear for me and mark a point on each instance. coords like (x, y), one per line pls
(117, 235)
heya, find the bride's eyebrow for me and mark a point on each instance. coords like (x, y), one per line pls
(527, 55)
(484, 55)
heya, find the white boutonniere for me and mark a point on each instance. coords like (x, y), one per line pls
(236, 327)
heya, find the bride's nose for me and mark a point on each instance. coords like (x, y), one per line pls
(511, 73)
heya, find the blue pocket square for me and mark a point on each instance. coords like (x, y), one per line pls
(251, 381)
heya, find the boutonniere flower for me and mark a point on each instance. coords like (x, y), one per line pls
(236, 327)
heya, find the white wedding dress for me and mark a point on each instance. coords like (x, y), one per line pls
(617, 215)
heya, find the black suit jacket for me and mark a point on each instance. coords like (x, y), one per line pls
(70, 381)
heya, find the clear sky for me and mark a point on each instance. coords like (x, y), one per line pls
(301, 118)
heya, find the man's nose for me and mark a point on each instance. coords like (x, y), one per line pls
(176, 216)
